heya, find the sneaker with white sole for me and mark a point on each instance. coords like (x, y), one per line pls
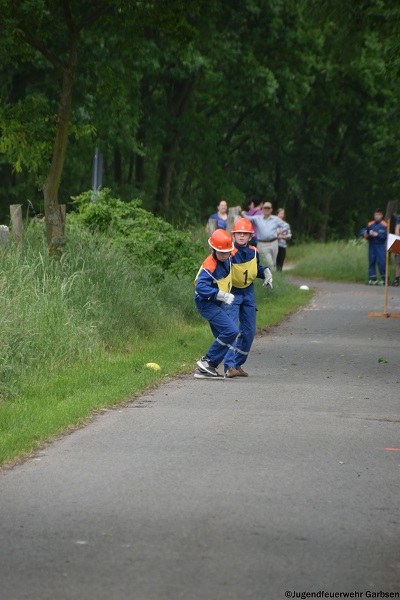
(205, 365)
(200, 374)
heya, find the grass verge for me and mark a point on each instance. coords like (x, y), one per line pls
(335, 261)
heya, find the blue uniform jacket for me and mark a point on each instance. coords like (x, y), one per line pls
(213, 276)
(380, 227)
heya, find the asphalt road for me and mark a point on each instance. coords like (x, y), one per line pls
(246, 489)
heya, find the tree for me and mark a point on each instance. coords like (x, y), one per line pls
(52, 29)
(194, 101)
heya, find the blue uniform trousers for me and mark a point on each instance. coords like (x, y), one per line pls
(224, 329)
(376, 254)
(242, 311)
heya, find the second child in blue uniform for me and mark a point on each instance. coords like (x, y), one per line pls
(245, 269)
(213, 293)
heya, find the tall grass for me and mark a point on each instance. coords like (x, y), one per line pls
(338, 261)
(54, 314)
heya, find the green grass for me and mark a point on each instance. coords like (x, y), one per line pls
(336, 261)
(76, 336)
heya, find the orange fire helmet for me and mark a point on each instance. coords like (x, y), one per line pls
(243, 226)
(221, 241)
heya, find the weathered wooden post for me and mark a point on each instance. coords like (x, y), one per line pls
(16, 222)
(233, 215)
(212, 225)
(4, 231)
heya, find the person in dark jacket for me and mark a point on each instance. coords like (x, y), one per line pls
(376, 234)
(397, 257)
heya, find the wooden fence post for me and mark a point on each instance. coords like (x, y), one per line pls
(233, 215)
(4, 231)
(16, 222)
(212, 225)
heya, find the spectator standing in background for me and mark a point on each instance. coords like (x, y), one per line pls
(221, 216)
(254, 208)
(284, 235)
(376, 233)
(268, 226)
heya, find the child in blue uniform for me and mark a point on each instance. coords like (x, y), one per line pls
(397, 257)
(212, 293)
(376, 233)
(245, 269)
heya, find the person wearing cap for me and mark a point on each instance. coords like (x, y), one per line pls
(268, 226)
(245, 269)
(213, 285)
(376, 233)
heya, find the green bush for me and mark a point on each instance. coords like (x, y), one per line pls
(150, 241)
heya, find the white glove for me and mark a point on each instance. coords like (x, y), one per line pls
(267, 278)
(225, 297)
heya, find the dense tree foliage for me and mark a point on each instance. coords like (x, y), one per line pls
(189, 102)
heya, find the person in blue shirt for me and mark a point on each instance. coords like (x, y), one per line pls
(221, 216)
(212, 293)
(397, 257)
(376, 234)
(245, 269)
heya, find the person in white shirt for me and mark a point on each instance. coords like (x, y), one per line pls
(268, 230)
